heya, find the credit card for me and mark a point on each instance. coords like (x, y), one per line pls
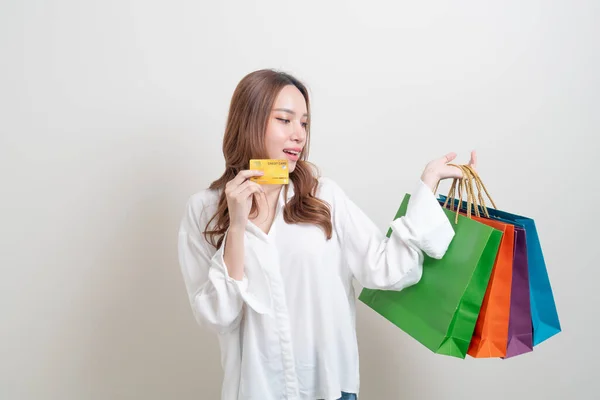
(276, 172)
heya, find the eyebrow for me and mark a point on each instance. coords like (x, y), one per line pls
(287, 110)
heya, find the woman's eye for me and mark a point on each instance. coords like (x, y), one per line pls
(285, 121)
(305, 125)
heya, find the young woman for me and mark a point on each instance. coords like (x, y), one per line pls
(270, 268)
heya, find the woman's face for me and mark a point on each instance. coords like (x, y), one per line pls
(286, 129)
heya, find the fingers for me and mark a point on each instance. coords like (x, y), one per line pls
(449, 157)
(442, 169)
(241, 192)
(242, 176)
(248, 191)
(473, 161)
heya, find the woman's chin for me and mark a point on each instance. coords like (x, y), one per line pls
(291, 166)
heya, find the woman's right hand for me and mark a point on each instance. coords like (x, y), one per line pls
(239, 192)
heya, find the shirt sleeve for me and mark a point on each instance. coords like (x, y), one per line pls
(215, 297)
(393, 263)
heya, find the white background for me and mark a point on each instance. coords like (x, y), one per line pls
(112, 115)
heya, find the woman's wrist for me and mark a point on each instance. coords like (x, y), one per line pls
(430, 179)
(236, 229)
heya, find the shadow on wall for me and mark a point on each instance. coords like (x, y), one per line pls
(145, 341)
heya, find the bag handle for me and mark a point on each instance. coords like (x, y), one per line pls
(480, 186)
(466, 183)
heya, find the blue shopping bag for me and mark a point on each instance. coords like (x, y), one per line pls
(544, 315)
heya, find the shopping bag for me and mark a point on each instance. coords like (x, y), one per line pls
(544, 313)
(441, 310)
(520, 336)
(491, 335)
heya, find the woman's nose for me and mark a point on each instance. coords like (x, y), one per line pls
(299, 134)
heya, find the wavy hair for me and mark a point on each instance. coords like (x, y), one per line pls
(247, 120)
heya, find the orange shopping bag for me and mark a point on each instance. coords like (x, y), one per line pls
(490, 337)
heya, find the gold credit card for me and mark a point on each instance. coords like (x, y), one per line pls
(276, 172)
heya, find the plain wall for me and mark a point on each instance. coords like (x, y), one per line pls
(112, 115)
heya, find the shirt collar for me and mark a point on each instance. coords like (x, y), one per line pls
(290, 193)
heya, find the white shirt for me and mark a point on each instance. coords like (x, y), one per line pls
(287, 330)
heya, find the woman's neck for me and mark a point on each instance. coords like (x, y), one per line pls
(271, 190)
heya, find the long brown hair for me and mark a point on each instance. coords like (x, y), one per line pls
(247, 120)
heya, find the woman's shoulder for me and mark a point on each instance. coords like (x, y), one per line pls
(200, 207)
(328, 189)
(204, 198)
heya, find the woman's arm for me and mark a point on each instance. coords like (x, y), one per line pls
(396, 262)
(217, 290)
(393, 263)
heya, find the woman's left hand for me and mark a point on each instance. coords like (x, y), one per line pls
(439, 169)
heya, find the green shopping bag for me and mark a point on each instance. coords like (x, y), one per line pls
(442, 309)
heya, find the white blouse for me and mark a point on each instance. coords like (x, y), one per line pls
(287, 330)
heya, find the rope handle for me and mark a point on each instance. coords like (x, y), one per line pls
(465, 183)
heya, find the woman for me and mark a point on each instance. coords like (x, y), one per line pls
(270, 268)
